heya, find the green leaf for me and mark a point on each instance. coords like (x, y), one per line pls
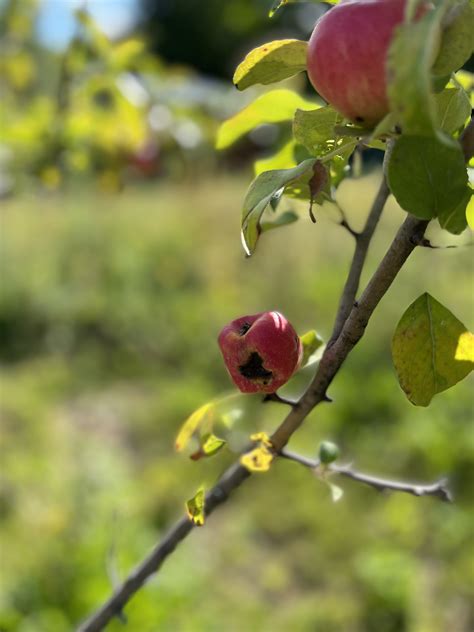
(315, 127)
(409, 61)
(281, 3)
(453, 108)
(260, 192)
(195, 507)
(431, 350)
(427, 177)
(457, 40)
(455, 220)
(271, 62)
(275, 106)
(210, 445)
(288, 217)
(312, 342)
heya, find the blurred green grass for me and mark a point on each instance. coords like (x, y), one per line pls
(109, 311)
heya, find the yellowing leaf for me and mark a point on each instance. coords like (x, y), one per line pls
(210, 445)
(257, 460)
(465, 348)
(284, 158)
(203, 414)
(271, 62)
(272, 107)
(262, 437)
(431, 350)
(470, 213)
(195, 507)
(312, 342)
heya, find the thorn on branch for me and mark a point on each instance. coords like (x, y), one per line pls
(344, 223)
(419, 240)
(350, 230)
(274, 397)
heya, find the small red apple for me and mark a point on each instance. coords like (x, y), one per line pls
(261, 352)
(347, 55)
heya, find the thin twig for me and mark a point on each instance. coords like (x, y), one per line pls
(363, 240)
(438, 489)
(344, 222)
(354, 327)
(230, 480)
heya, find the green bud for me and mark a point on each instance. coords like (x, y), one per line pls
(328, 452)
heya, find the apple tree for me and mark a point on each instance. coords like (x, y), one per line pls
(390, 73)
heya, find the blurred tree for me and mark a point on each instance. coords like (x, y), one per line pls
(210, 35)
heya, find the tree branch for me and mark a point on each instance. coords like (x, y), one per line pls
(363, 240)
(407, 238)
(333, 357)
(230, 480)
(402, 246)
(437, 489)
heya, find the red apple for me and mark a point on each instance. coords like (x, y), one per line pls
(347, 55)
(261, 352)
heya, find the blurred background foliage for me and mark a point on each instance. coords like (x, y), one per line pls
(120, 262)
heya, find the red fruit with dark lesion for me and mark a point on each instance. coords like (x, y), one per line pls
(261, 351)
(347, 56)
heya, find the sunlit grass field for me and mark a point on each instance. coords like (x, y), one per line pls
(109, 312)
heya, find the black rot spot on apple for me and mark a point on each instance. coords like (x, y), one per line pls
(253, 369)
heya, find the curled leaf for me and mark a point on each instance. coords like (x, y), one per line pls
(195, 507)
(257, 460)
(210, 445)
(312, 343)
(202, 415)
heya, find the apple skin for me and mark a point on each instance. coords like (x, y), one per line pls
(261, 352)
(347, 54)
